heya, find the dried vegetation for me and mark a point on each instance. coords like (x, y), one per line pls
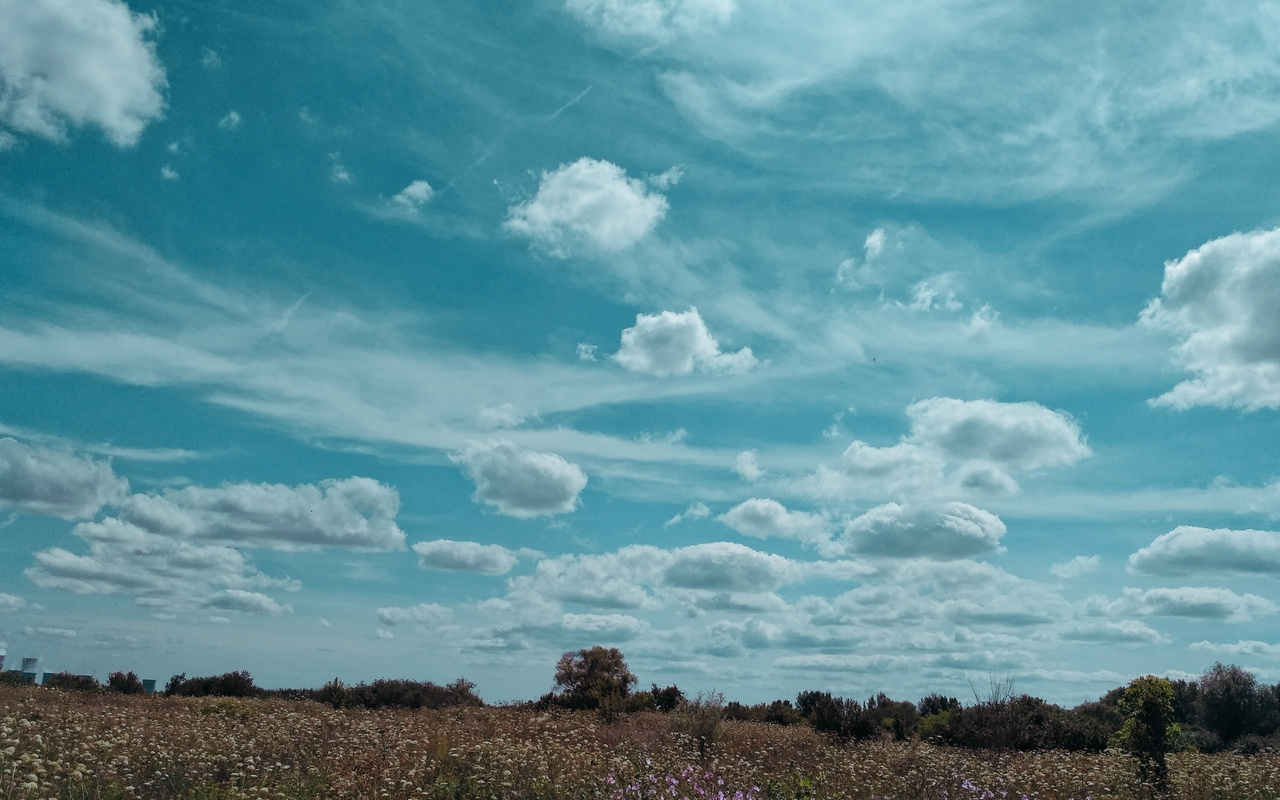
(56, 744)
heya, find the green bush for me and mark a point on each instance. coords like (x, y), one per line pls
(72, 683)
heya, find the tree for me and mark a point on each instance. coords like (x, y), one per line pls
(1230, 703)
(1149, 730)
(594, 678)
(125, 683)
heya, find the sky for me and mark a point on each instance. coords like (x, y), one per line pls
(828, 345)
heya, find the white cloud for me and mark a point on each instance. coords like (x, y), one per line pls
(429, 615)
(159, 569)
(383, 633)
(747, 467)
(1193, 602)
(1076, 567)
(587, 203)
(231, 121)
(1129, 631)
(586, 352)
(656, 20)
(209, 59)
(78, 62)
(1221, 300)
(169, 173)
(248, 602)
(1015, 436)
(762, 518)
(957, 530)
(55, 484)
(519, 482)
(354, 513)
(217, 619)
(487, 559)
(696, 510)
(727, 566)
(59, 633)
(414, 196)
(337, 170)
(957, 446)
(611, 580)
(672, 343)
(11, 602)
(1244, 647)
(501, 416)
(1188, 550)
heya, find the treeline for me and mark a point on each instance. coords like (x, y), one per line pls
(1226, 708)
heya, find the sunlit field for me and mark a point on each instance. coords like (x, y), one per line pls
(68, 745)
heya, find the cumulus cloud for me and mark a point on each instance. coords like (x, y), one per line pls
(961, 444)
(11, 602)
(1193, 602)
(487, 559)
(956, 530)
(519, 482)
(126, 559)
(354, 513)
(727, 566)
(653, 20)
(1188, 550)
(672, 343)
(78, 62)
(413, 197)
(762, 518)
(1220, 299)
(1244, 647)
(1076, 567)
(1129, 631)
(231, 121)
(55, 484)
(428, 615)
(747, 467)
(588, 203)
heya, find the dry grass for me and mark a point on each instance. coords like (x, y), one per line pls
(64, 745)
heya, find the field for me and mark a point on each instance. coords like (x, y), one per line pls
(56, 744)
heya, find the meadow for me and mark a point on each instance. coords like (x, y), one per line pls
(60, 744)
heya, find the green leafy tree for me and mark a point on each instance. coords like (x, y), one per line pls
(1149, 731)
(594, 678)
(1230, 702)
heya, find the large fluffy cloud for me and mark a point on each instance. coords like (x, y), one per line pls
(956, 530)
(157, 569)
(731, 567)
(587, 203)
(672, 343)
(961, 445)
(355, 513)
(487, 559)
(654, 20)
(1221, 299)
(78, 62)
(1188, 550)
(53, 483)
(519, 482)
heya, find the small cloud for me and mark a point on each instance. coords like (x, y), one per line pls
(486, 559)
(519, 482)
(1188, 550)
(1076, 567)
(231, 121)
(586, 352)
(57, 633)
(324, 623)
(873, 246)
(382, 633)
(587, 204)
(217, 620)
(673, 343)
(11, 602)
(956, 530)
(428, 614)
(413, 197)
(53, 483)
(697, 510)
(762, 517)
(210, 60)
(168, 173)
(337, 170)
(501, 416)
(746, 466)
(666, 180)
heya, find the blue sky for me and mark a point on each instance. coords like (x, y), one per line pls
(841, 346)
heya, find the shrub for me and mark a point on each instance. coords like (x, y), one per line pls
(15, 679)
(593, 678)
(836, 716)
(72, 683)
(230, 684)
(1230, 705)
(125, 683)
(1149, 730)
